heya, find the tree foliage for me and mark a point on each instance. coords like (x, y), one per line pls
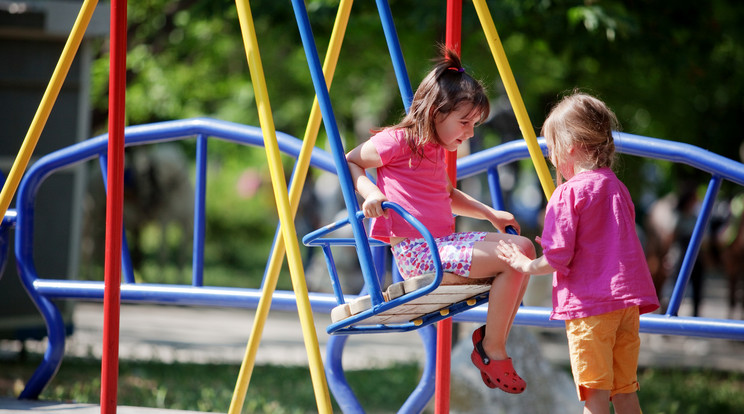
(669, 69)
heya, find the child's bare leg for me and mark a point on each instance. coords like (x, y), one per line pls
(507, 290)
(502, 299)
(597, 401)
(626, 403)
(525, 282)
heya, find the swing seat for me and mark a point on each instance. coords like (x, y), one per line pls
(440, 300)
(403, 306)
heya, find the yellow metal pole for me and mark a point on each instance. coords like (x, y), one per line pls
(288, 231)
(507, 77)
(47, 102)
(295, 191)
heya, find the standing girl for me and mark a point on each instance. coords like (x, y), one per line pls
(601, 282)
(411, 171)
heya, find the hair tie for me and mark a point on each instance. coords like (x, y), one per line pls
(460, 70)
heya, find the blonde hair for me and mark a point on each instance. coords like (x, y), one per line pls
(586, 123)
(442, 91)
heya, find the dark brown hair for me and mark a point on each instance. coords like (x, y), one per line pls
(443, 89)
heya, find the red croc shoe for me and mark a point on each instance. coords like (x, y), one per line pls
(495, 373)
(477, 339)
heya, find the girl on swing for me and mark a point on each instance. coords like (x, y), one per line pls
(410, 161)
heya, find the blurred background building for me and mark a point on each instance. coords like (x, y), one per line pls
(32, 37)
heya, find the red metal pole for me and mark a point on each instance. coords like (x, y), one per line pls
(114, 209)
(444, 331)
(454, 25)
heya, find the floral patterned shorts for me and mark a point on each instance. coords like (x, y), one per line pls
(456, 252)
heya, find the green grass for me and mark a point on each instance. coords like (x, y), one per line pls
(209, 387)
(282, 389)
(678, 391)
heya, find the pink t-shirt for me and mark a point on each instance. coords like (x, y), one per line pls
(417, 185)
(590, 239)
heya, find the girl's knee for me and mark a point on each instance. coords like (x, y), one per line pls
(526, 246)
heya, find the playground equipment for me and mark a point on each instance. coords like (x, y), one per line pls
(45, 288)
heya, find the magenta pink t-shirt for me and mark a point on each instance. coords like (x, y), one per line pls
(590, 239)
(419, 185)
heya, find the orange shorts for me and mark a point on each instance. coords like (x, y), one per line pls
(604, 351)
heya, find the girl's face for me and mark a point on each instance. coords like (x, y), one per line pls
(456, 127)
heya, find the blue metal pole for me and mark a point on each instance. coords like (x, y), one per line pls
(342, 392)
(399, 64)
(494, 184)
(200, 196)
(337, 150)
(694, 246)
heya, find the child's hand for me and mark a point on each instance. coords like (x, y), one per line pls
(510, 253)
(372, 206)
(504, 219)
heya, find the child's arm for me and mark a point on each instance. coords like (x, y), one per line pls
(465, 205)
(511, 254)
(360, 158)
